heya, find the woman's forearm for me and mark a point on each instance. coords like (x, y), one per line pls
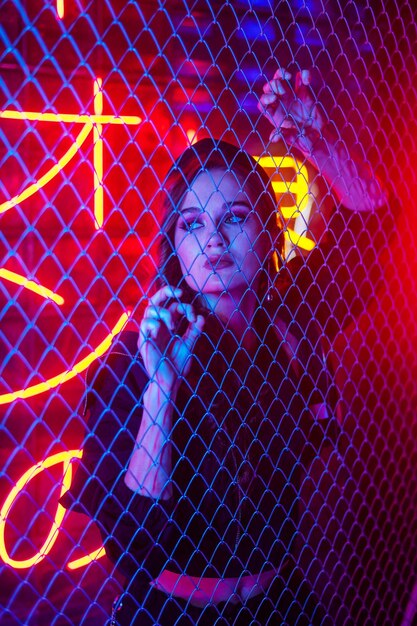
(347, 174)
(167, 358)
(296, 115)
(150, 466)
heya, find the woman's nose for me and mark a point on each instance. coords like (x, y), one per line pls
(216, 239)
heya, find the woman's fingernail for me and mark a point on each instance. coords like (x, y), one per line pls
(305, 77)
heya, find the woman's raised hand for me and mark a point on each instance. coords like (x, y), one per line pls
(292, 109)
(166, 354)
(298, 117)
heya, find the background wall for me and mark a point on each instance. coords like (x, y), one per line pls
(127, 86)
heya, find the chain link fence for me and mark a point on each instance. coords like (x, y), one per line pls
(98, 99)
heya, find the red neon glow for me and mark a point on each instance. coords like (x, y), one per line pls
(60, 9)
(61, 457)
(40, 290)
(79, 367)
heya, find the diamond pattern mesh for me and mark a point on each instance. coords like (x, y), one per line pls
(292, 445)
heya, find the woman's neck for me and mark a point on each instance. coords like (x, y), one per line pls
(236, 314)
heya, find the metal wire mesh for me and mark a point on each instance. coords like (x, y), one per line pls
(98, 99)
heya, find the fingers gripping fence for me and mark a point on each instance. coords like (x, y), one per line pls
(208, 376)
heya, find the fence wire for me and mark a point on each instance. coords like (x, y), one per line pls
(98, 100)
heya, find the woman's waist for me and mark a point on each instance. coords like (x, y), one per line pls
(201, 591)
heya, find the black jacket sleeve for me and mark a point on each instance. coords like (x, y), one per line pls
(135, 529)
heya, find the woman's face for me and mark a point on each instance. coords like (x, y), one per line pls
(219, 238)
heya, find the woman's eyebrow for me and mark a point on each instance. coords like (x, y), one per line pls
(227, 204)
(244, 203)
(189, 209)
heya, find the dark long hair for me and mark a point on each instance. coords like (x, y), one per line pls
(203, 156)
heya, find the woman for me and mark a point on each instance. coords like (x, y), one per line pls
(199, 427)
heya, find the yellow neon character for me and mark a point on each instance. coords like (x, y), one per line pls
(90, 122)
(299, 188)
(18, 279)
(85, 560)
(61, 457)
(60, 9)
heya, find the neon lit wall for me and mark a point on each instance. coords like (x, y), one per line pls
(96, 102)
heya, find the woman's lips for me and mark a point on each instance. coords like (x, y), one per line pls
(218, 262)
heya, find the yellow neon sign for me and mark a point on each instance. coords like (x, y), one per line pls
(40, 290)
(298, 187)
(60, 9)
(66, 459)
(50, 174)
(98, 156)
(61, 457)
(70, 118)
(90, 122)
(85, 560)
(63, 377)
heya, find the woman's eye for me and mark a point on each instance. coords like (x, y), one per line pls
(189, 226)
(235, 218)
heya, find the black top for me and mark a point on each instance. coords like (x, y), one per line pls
(242, 429)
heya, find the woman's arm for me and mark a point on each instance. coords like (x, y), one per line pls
(150, 465)
(299, 119)
(167, 357)
(338, 278)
